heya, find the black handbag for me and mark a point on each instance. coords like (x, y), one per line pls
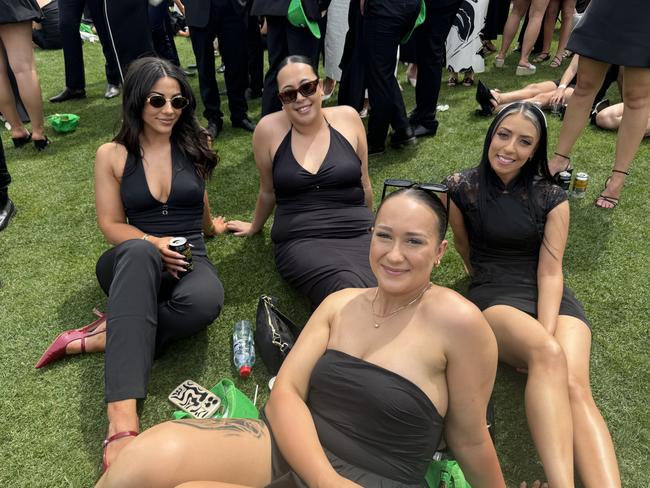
(275, 334)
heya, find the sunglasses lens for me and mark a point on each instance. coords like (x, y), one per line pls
(179, 102)
(288, 96)
(157, 101)
(308, 89)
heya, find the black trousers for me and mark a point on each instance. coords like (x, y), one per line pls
(255, 47)
(229, 27)
(147, 309)
(282, 40)
(353, 85)
(495, 19)
(5, 177)
(162, 33)
(128, 26)
(70, 12)
(385, 23)
(431, 37)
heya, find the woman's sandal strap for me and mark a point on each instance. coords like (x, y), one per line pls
(626, 173)
(563, 156)
(120, 435)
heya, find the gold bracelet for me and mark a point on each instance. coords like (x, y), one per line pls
(145, 237)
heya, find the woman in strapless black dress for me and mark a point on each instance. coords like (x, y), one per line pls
(363, 398)
(610, 33)
(149, 189)
(510, 224)
(313, 165)
(16, 18)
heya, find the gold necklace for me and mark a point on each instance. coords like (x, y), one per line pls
(388, 316)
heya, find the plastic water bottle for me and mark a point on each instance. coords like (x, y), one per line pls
(243, 347)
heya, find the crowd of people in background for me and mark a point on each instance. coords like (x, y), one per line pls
(509, 218)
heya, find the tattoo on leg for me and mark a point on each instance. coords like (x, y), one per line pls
(230, 427)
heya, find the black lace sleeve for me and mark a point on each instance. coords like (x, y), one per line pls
(463, 188)
(549, 195)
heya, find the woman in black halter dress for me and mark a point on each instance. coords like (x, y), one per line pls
(364, 396)
(313, 166)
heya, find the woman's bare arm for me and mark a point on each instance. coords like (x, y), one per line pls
(471, 352)
(288, 414)
(550, 279)
(461, 240)
(266, 195)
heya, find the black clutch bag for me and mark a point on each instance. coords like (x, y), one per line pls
(275, 334)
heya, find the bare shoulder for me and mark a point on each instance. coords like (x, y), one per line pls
(453, 312)
(271, 125)
(340, 300)
(341, 112)
(111, 155)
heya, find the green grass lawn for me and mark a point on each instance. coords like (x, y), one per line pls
(52, 421)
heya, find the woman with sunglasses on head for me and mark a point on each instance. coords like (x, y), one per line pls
(313, 163)
(149, 188)
(365, 395)
(510, 224)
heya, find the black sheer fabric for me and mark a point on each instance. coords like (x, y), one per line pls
(180, 216)
(377, 428)
(506, 239)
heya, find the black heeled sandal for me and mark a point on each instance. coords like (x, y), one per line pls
(21, 141)
(484, 97)
(41, 144)
(613, 200)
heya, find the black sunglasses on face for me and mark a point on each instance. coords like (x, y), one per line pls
(436, 189)
(290, 95)
(178, 102)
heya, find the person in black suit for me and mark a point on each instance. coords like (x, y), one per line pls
(70, 12)
(430, 39)
(7, 209)
(385, 24)
(283, 39)
(225, 20)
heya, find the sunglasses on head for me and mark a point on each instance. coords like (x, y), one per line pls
(290, 95)
(178, 102)
(436, 189)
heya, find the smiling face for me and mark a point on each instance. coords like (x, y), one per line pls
(306, 108)
(162, 119)
(514, 142)
(405, 245)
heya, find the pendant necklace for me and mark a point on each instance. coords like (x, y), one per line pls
(390, 315)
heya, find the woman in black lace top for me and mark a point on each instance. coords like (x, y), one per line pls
(510, 225)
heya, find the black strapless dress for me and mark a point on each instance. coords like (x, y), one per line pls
(321, 229)
(377, 428)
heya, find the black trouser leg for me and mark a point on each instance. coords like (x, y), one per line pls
(146, 310)
(128, 26)
(5, 177)
(161, 35)
(231, 32)
(382, 36)
(202, 44)
(284, 39)
(431, 37)
(255, 48)
(70, 12)
(111, 68)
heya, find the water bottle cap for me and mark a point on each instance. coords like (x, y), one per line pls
(245, 371)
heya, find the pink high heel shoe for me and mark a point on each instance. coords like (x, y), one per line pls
(56, 350)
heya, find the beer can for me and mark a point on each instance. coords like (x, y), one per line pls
(181, 246)
(565, 181)
(580, 185)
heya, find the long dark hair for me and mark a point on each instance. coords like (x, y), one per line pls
(535, 167)
(187, 134)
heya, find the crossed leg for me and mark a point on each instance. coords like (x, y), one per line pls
(229, 453)
(524, 342)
